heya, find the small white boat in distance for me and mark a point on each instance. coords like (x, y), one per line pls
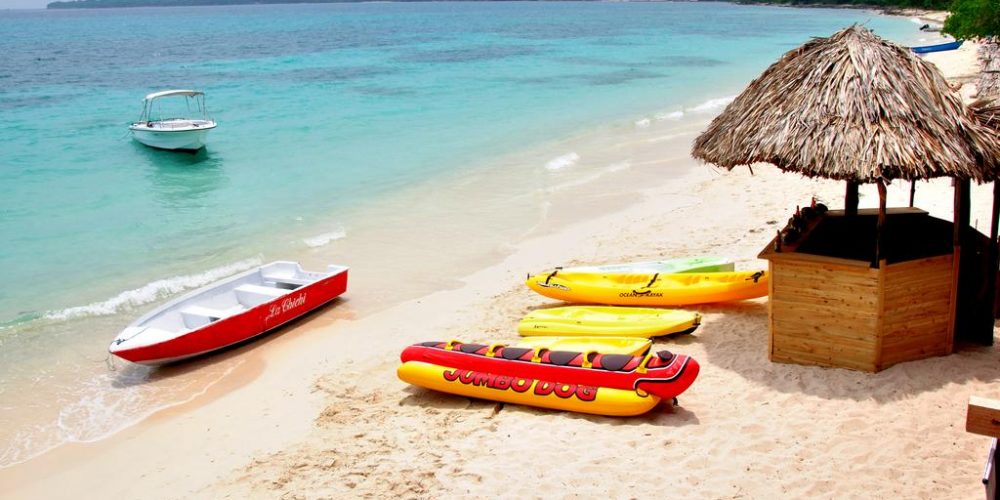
(175, 134)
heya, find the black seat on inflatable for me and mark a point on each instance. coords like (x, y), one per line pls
(514, 352)
(470, 348)
(562, 358)
(429, 344)
(615, 362)
(665, 355)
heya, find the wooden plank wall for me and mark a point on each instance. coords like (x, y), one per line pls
(824, 314)
(917, 319)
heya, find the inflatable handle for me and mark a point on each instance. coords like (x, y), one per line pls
(587, 363)
(491, 348)
(536, 357)
(451, 344)
(645, 361)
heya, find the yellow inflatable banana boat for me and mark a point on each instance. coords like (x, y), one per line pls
(608, 345)
(650, 289)
(611, 321)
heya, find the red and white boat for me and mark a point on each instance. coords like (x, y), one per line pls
(228, 312)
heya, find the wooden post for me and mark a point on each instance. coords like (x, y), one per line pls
(994, 249)
(880, 227)
(962, 208)
(851, 199)
(913, 191)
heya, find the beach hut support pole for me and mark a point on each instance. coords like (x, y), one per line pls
(961, 221)
(880, 228)
(913, 191)
(995, 248)
(851, 199)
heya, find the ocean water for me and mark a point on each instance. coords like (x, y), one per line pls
(404, 139)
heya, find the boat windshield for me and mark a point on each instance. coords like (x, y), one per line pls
(175, 107)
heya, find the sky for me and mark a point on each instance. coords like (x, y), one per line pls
(23, 4)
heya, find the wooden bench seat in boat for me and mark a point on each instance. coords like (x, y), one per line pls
(288, 283)
(197, 316)
(255, 295)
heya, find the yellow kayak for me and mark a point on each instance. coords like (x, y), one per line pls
(652, 289)
(605, 345)
(611, 321)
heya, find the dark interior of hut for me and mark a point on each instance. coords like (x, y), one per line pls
(909, 235)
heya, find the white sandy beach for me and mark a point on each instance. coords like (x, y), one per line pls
(318, 411)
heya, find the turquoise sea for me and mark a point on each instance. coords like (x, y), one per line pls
(396, 136)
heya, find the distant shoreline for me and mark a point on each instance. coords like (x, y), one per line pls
(122, 4)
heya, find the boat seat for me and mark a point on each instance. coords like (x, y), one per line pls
(199, 316)
(615, 362)
(470, 348)
(290, 283)
(255, 295)
(562, 358)
(289, 280)
(514, 352)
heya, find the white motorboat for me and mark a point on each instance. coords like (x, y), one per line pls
(179, 134)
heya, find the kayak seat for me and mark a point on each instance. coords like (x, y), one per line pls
(615, 362)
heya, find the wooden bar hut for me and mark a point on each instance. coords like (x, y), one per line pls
(865, 289)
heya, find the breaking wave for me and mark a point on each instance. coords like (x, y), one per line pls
(561, 162)
(325, 238)
(152, 291)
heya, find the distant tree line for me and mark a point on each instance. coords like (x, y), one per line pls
(973, 19)
(888, 4)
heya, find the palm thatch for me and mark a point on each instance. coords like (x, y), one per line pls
(852, 107)
(987, 110)
(989, 63)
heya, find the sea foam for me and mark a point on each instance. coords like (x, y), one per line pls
(561, 162)
(672, 115)
(325, 238)
(152, 291)
(713, 104)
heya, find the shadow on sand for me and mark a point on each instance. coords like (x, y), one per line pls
(735, 338)
(664, 414)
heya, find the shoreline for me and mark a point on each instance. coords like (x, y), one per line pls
(301, 454)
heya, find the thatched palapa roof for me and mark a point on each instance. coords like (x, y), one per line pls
(987, 110)
(852, 107)
(989, 63)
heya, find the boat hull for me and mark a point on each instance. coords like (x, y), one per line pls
(171, 140)
(941, 47)
(239, 327)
